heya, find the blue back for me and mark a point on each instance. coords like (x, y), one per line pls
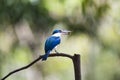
(51, 43)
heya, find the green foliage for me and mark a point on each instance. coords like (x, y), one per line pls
(12, 12)
(25, 24)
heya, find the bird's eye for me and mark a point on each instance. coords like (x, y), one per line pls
(60, 30)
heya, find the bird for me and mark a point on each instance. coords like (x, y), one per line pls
(53, 41)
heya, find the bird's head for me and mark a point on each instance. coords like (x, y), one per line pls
(60, 32)
(57, 31)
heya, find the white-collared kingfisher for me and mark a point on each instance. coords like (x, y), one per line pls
(52, 42)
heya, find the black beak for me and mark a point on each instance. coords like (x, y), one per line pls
(65, 32)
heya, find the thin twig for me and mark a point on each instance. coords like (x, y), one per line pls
(33, 62)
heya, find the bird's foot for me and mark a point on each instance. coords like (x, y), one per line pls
(56, 52)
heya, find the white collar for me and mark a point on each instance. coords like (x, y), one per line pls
(57, 35)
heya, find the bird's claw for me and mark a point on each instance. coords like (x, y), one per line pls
(56, 52)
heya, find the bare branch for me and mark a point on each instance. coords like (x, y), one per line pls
(61, 54)
(33, 62)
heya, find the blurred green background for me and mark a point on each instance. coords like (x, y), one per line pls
(95, 26)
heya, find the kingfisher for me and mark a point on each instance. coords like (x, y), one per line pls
(53, 41)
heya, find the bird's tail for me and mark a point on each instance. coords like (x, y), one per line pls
(45, 56)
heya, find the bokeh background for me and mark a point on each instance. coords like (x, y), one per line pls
(95, 26)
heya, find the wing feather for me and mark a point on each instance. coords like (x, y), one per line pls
(51, 43)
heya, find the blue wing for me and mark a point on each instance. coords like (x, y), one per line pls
(51, 43)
